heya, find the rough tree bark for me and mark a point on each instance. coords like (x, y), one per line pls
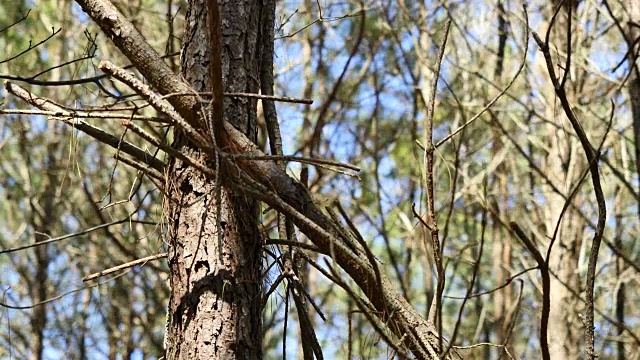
(215, 301)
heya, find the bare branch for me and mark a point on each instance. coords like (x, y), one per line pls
(72, 235)
(54, 32)
(95, 132)
(124, 266)
(16, 22)
(592, 158)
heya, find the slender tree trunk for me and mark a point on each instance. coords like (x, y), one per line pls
(44, 219)
(500, 243)
(425, 74)
(634, 80)
(214, 311)
(565, 329)
(113, 317)
(634, 95)
(38, 320)
(43, 215)
(307, 134)
(620, 293)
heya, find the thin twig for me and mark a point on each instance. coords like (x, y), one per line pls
(472, 283)
(156, 101)
(140, 167)
(16, 22)
(546, 288)
(55, 298)
(95, 132)
(516, 76)
(120, 267)
(368, 310)
(83, 114)
(486, 344)
(505, 284)
(206, 170)
(435, 314)
(79, 233)
(286, 99)
(300, 159)
(54, 32)
(271, 97)
(299, 244)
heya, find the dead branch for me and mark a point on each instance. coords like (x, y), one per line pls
(95, 132)
(120, 267)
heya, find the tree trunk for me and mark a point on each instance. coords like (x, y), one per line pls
(501, 243)
(214, 311)
(634, 96)
(563, 164)
(634, 80)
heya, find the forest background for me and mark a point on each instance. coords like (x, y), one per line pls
(514, 196)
